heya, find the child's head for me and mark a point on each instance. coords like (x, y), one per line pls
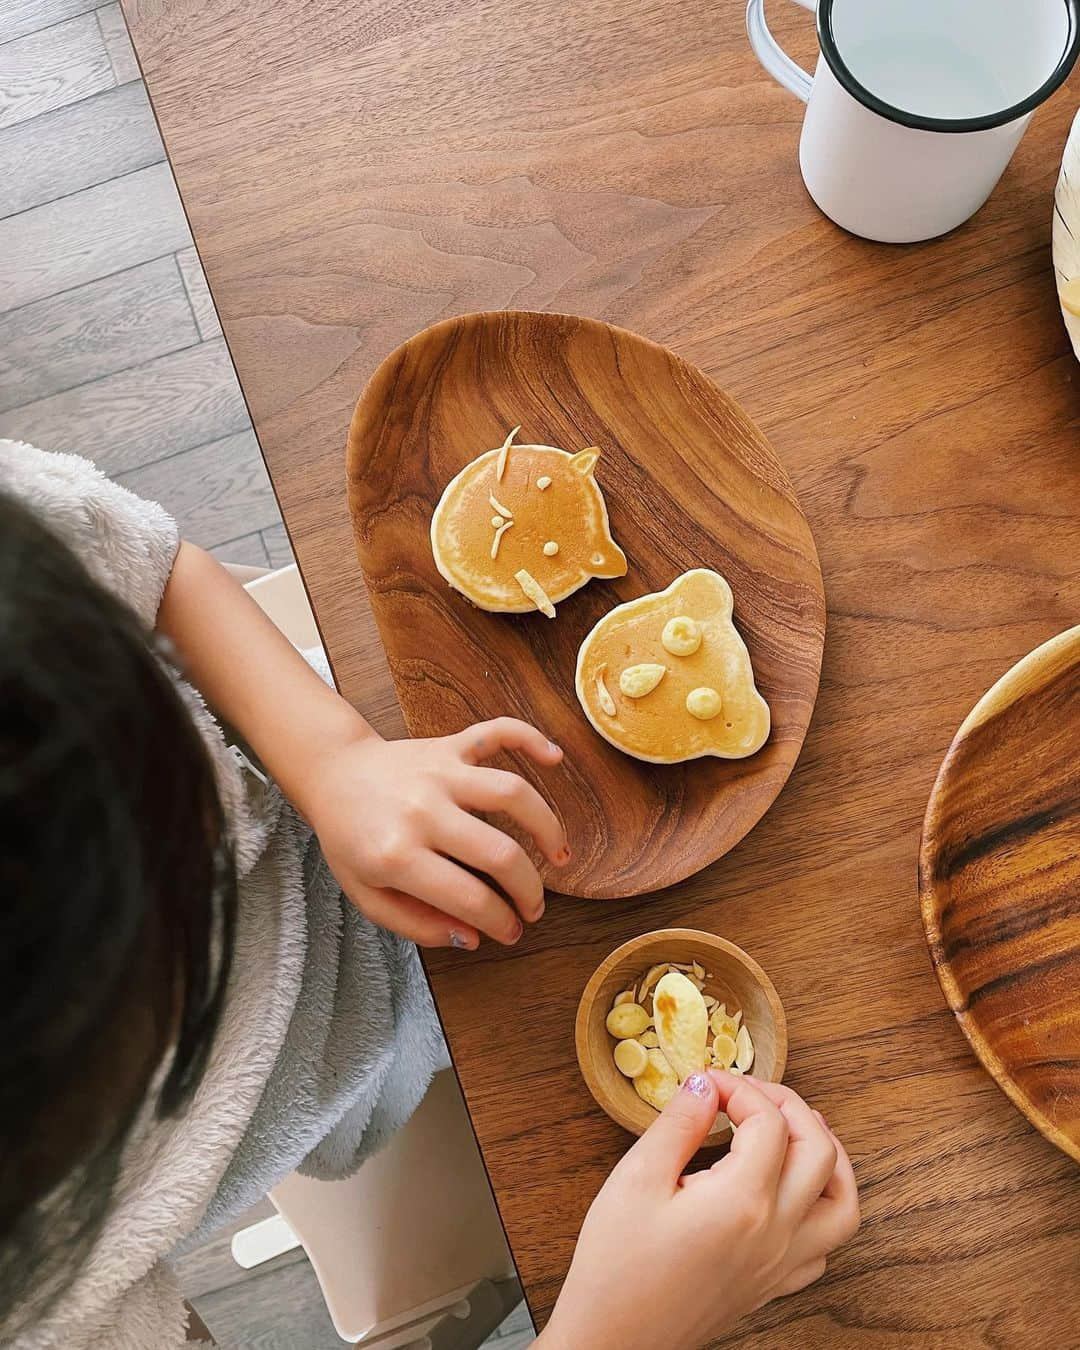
(117, 900)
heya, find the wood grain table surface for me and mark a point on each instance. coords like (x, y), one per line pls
(357, 169)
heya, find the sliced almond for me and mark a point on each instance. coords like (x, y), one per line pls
(498, 507)
(649, 1039)
(711, 1002)
(658, 1083)
(534, 591)
(651, 976)
(506, 525)
(500, 463)
(627, 996)
(744, 1055)
(720, 1024)
(607, 703)
(699, 970)
(626, 1021)
(724, 1051)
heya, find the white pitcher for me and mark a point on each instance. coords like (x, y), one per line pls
(916, 106)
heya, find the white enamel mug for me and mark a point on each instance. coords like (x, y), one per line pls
(916, 106)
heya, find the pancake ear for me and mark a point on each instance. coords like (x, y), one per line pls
(607, 559)
(585, 460)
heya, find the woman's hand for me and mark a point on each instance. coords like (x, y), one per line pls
(397, 826)
(675, 1261)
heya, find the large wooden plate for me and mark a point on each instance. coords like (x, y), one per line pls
(689, 482)
(1000, 884)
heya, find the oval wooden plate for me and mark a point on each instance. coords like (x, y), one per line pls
(999, 877)
(689, 482)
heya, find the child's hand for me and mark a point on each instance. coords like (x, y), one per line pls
(396, 824)
(670, 1260)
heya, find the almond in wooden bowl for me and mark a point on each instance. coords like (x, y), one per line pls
(731, 977)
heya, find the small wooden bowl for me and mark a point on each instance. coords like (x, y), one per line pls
(737, 980)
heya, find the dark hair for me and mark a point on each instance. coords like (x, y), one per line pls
(118, 902)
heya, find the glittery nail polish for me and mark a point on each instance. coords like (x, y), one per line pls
(698, 1084)
(553, 747)
(459, 941)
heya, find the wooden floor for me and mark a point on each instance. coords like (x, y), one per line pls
(110, 347)
(109, 344)
(279, 1306)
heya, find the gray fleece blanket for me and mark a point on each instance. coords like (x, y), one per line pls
(329, 1038)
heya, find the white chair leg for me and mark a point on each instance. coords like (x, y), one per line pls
(263, 1241)
(463, 1321)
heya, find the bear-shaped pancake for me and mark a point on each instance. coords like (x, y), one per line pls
(522, 527)
(667, 677)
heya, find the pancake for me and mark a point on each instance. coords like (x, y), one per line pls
(666, 677)
(522, 527)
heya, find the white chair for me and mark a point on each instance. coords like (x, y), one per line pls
(409, 1251)
(282, 598)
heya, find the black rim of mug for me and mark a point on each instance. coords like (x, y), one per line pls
(831, 52)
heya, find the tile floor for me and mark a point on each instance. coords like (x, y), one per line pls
(110, 347)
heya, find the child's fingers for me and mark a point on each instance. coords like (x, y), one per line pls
(834, 1218)
(842, 1182)
(811, 1155)
(452, 889)
(664, 1150)
(481, 846)
(507, 733)
(412, 918)
(496, 790)
(760, 1142)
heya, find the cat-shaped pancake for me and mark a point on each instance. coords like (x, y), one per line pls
(667, 678)
(522, 527)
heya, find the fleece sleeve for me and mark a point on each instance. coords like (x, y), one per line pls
(128, 545)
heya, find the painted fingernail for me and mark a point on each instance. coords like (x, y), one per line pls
(459, 941)
(516, 935)
(698, 1085)
(555, 750)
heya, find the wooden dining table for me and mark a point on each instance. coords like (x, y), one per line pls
(355, 170)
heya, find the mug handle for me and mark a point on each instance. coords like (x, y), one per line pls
(775, 60)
